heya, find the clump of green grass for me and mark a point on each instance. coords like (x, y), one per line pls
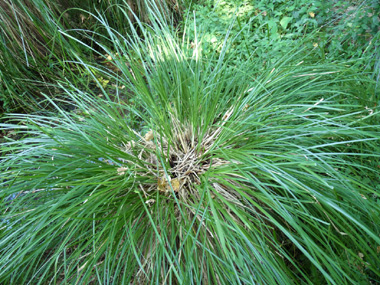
(204, 176)
(32, 52)
(39, 44)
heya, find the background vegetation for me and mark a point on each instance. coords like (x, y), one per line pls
(185, 142)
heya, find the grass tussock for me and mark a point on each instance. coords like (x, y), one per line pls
(43, 42)
(195, 171)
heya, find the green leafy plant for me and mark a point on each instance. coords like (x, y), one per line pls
(267, 30)
(261, 29)
(206, 177)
